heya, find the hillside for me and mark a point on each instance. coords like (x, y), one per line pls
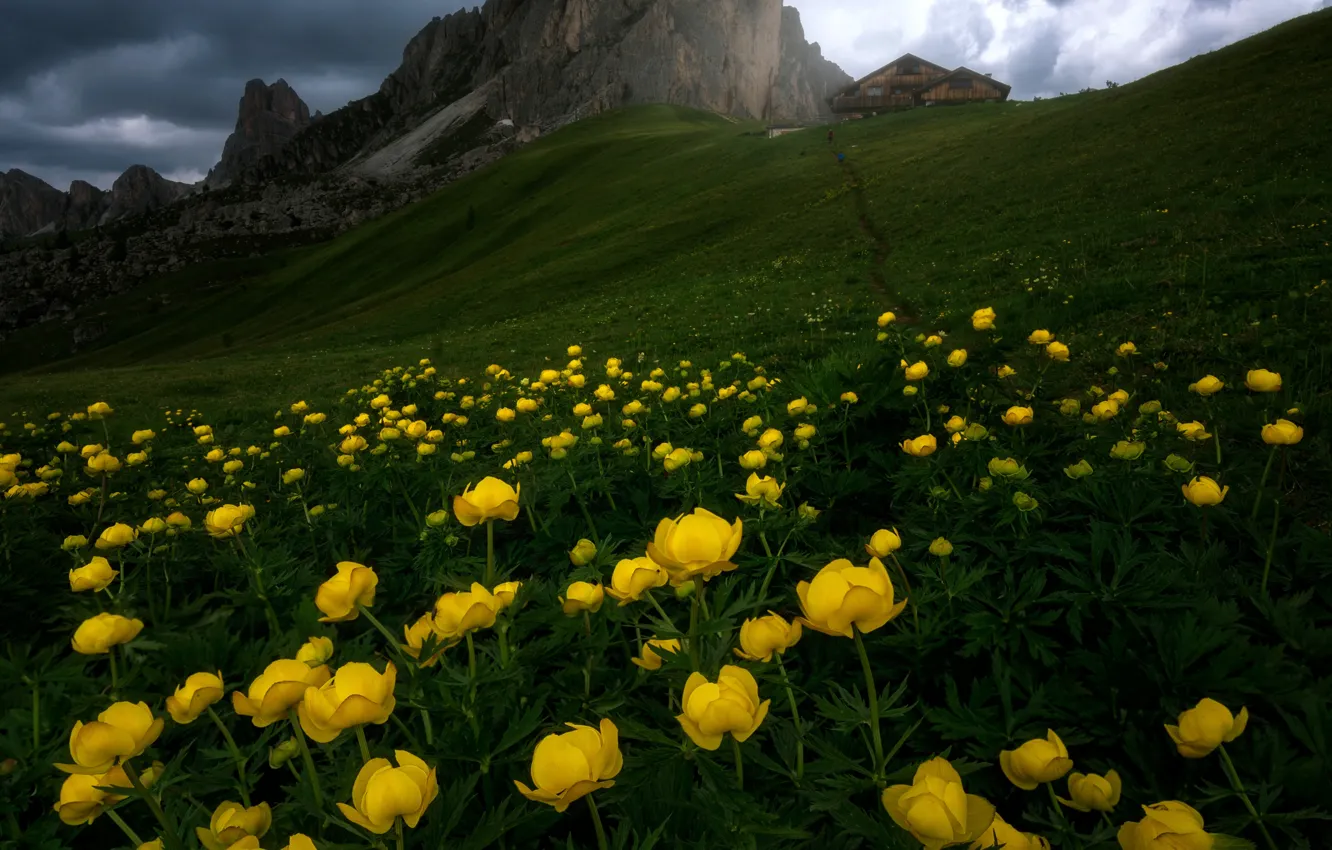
(1204, 186)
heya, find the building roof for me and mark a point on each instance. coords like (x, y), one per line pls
(899, 60)
(967, 72)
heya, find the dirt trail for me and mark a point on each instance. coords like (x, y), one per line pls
(878, 239)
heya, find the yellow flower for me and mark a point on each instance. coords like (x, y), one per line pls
(1038, 760)
(917, 371)
(1193, 431)
(97, 634)
(490, 500)
(1057, 351)
(1263, 381)
(232, 823)
(99, 410)
(315, 651)
(1040, 337)
(417, 634)
(291, 476)
(1018, 416)
(1081, 469)
(583, 552)
(1205, 727)
(753, 459)
(382, 793)
(569, 766)
(731, 704)
(192, 698)
(228, 520)
(1283, 432)
(1088, 792)
(1000, 833)
(763, 492)
(957, 357)
(696, 544)
(935, 809)
(275, 691)
(849, 397)
(353, 444)
(1006, 371)
(941, 547)
(342, 595)
(676, 459)
(123, 731)
(72, 542)
(1126, 349)
(104, 463)
(357, 694)
(1207, 385)
(761, 637)
(456, 614)
(751, 425)
(635, 576)
(141, 437)
(886, 319)
(805, 432)
(593, 421)
(82, 802)
(650, 660)
(1127, 450)
(1105, 410)
(582, 596)
(922, 446)
(116, 536)
(770, 440)
(1169, 825)
(506, 414)
(842, 595)
(797, 406)
(197, 486)
(94, 576)
(1204, 492)
(883, 543)
(505, 592)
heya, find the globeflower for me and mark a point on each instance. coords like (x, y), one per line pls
(1193, 431)
(935, 809)
(490, 500)
(983, 319)
(1081, 469)
(1089, 792)
(228, 520)
(582, 596)
(569, 766)
(1204, 492)
(1126, 349)
(1036, 761)
(1169, 825)
(195, 696)
(763, 492)
(634, 577)
(883, 543)
(275, 691)
(123, 731)
(731, 704)
(382, 793)
(1205, 727)
(1007, 467)
(357, 694)
(886, 319)
(1207, 385)
(116, 536)
(650, 660)
(96, 575)
(753, 459)
(941, 547)
(1018, 416)
(1263, 381)
(922, 446)
(700, 544)
(842, 596)
(458, 613)
(100, 632)
(917, 371)
(1283, 432)
(1040, 337)
(761, 637)
(1057, 351)
(583, 553)
(957, 358)
(1127, 450)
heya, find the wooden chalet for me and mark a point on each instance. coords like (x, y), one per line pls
(909, 81)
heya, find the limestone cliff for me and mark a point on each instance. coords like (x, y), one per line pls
(268, 118)
(27, 203)
(140, 190)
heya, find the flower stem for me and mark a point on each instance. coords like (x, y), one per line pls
(1054, 801)
(36, 717)
(307, 758)
(1262, 482)
(171, 836)
(657, 605)
(596, 823)
(111, 654)
(124, 827)
(873, 701)
(795, 720)
(1233, 776)
(383, 630)
(693, 630)
(1271, 545)
(1108, 822)
(911, 597)
(398, 838)
(235, 755)
(360, 740)
(592, 526)
(490, 553)
(739, 765)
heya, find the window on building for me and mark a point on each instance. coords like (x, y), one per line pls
(959, 84)
(910, 68)
(874, 91)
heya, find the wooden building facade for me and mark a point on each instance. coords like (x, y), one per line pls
(910, 81)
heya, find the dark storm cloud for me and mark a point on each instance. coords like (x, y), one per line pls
(89, 87)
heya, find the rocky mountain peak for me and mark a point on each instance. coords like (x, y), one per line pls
(268, 117)
(27, 203)
(139, 190)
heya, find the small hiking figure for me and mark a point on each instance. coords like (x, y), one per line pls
(830, 137)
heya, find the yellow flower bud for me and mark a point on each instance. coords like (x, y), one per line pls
(731, 704)
(761, 637)
(1205, 727)
(569, 766)
(1036, 761)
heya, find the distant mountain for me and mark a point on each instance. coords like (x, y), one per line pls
(268, 118)
(29, 205)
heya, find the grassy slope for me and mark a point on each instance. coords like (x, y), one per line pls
(1202, 190)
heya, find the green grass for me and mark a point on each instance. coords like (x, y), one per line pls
(1202, 190)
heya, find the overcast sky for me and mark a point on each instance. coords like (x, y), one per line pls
(90, 87)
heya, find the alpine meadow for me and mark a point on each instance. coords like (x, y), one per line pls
(666, 485)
